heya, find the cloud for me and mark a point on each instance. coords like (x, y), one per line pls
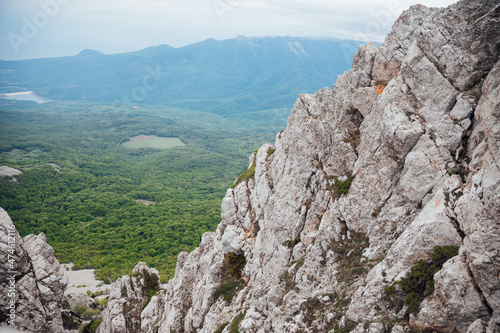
(113, 26)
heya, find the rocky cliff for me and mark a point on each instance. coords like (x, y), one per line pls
(376, 210)
(31, 284)
(129, 295)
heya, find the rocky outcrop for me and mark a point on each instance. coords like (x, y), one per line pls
(6, 171)
(401, 157)
(30, 281)
(129, 295)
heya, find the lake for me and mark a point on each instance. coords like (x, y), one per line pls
(25, 96)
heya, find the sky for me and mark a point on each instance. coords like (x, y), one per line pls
(49, 28)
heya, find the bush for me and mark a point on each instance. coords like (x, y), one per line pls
(442, 254)
(419, 281)
(104, 302)
(151, 284)
(89, 313)
(291, 243)
(342, 187)
(68, 322)
(97, 293)
(458, 170)
(233, 266)
(90, 327)
(79, 309)
(228, 289)
(231, 269)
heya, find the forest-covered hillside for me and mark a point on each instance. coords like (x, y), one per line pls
(242, 77)
(92, 197)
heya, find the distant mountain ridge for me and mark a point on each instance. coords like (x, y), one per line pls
(228, 77)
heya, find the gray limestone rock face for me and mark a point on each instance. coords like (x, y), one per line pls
(30, 281)
(400, 156)
(129, 295)
(455, 300)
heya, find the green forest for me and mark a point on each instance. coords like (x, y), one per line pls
(86, 191)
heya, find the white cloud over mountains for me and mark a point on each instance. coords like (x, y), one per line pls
(40, 28)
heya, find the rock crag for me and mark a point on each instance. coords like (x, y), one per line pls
(400, 158)
(30, 281)
(129, 295)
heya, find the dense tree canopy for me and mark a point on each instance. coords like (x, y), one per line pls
(82, 188)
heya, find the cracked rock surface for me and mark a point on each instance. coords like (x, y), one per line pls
(39, 285)
(129, 296)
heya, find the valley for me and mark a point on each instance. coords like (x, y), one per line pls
(95, 207)
(146, 143)
(154, 142)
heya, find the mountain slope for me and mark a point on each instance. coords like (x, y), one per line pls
(392, 177)
(232, 76)
(31, 283)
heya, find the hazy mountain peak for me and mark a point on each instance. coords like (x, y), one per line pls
(89, 53)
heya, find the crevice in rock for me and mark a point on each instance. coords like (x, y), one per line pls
(437, 65)
(357, 118)
(478, 289)
(308, 184)
(463, 152)
(457, 227)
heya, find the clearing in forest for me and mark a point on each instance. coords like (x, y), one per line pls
(151, 141)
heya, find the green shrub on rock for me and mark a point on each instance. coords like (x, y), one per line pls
(232, 282)
(418, 283)
(236, 322)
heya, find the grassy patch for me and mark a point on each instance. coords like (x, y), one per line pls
(315, 308)
(299, 263)
(232, 282)
(236, 322)
(154, 142)
(419, 281)
(289, 280)
(221, 328)
(377, 211)
(349, 327)
(350, 251)
(247, 174)
(228, 289)
(458, 170)
(270, 151)
(292, 242)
